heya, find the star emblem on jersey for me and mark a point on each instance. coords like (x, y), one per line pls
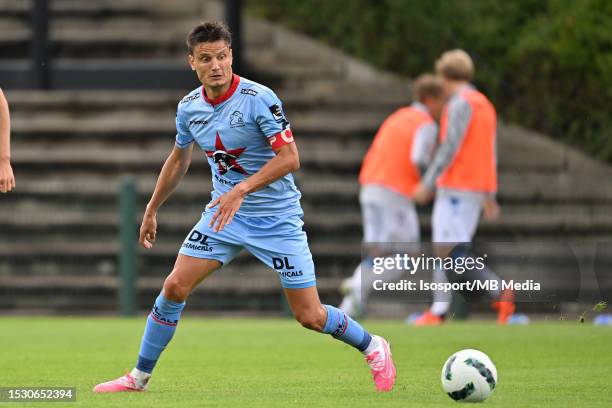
(226, 160)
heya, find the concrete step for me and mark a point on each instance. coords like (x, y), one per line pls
(125, 73)
(345, 96)
(90, 208)
(64, 101)
(99, 8)
(147, 136)
(88, 177)
(137, 120)
(118, 8)
(321, 117)
(254, 282)
(98, 42)
(42, 222)
(109, 249)
(81, 259)
(524, 256)
(90, 294)
(156, 262)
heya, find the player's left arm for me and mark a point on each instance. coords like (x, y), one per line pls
(287, 160)
(459, 116)
(424, 146)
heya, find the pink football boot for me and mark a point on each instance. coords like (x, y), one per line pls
(381, 365)
(127, 383)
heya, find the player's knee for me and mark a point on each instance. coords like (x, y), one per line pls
(312, 319)
(174, 289)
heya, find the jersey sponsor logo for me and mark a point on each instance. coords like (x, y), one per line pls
(236, 119)
(198, 242)
(225, 159)
(279, 117)
(285, 263)
(247, 91)
(291, 274)
(204, 248)
(197, 236)
(190, 98)
(277, 112)
(282, 263)
(224, 181)
(197, 122)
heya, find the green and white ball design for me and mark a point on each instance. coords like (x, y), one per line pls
(469, 376)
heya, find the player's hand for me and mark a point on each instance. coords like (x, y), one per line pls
(148, 230)
(491, 209)
(228, 204)
(422, 195)
(7, 179)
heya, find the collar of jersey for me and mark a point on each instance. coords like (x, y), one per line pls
(228, 94)
(420, 107)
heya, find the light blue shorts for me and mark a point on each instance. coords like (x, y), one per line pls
(278, 242)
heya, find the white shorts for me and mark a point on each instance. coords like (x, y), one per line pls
(455, 216)
(388, 216)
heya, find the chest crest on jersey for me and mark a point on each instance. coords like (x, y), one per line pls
(226, 160)
(236, 119)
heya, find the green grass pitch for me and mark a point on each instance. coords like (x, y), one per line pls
(274, 362)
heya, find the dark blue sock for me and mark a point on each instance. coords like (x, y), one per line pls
(160, 328)
(345, 329)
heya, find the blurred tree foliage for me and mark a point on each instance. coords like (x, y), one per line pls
(546, 64)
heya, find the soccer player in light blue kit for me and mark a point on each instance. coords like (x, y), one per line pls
(241, 127)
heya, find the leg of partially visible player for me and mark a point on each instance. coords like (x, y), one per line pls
(188, 272)
(311, 314)
(455, 218)
(388, 218)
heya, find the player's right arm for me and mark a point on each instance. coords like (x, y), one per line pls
(172, 172)
(459, 116)
(7, 179)
(175, 167)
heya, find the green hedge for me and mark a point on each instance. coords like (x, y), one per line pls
(546, 64)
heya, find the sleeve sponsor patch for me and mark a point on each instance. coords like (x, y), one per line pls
(248, 91)
(189, 98)
(277, 112)
(281, 138)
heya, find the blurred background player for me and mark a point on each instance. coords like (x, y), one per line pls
(255, 205)
(400, 153)
(464, 171)
(7, 179)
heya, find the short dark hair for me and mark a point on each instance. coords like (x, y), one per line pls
(427, 86)
(208, 31)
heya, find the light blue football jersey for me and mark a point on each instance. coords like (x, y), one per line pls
(236, 132)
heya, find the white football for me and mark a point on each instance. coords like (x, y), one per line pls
(469, 376)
